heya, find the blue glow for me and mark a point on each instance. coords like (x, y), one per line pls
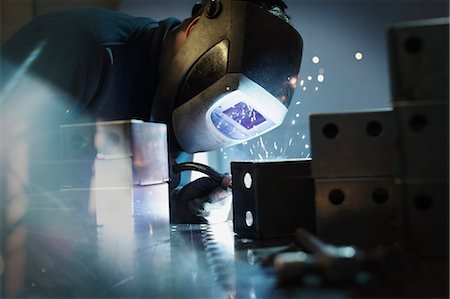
(245, 115)
(237, 121)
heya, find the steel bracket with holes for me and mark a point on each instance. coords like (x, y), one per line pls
(272, 199)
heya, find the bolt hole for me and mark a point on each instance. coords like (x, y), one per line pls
(113, 138)
(78, 142)
(380, 195)
(330, 131)
(413, 45)
(248, 180)
(418, 123)
(336, 197)
(249, 218)
(423, 202)
(374, 129)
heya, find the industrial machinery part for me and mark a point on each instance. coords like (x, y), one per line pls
(419, 60)
(272, 199)
(359, 211)
(356, 144)
(335, 264)
(423, 132)
(425, 216)
(131, 147)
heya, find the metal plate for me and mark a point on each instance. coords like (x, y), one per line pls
(424, 139)
(143, 144)
(356, 144)
(78, 142)
(272, 199)
(360, 211)
(426, 216)
(419, 60)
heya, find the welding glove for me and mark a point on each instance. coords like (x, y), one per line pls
(201, 201)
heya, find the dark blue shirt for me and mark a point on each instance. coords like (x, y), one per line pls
(107, 62)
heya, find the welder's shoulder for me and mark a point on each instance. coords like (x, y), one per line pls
(56, 43)
(79, 30)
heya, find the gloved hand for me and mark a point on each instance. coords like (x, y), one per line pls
(201, 201)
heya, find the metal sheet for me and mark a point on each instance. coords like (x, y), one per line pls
(419, 60)
(142, 145)
(426, 216)
(359, 211)
(272, 199)
(356, 144)
(424, 139)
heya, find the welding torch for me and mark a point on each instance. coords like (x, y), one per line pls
(220, 178)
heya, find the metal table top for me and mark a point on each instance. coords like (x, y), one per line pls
(67, 255)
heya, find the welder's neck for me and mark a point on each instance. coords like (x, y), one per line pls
(169, 48)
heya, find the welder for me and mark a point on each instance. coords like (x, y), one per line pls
(220, 77)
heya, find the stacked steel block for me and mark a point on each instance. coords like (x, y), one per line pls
(353, 166)
(114, 161)
(272, 199)
(382, 176)
(123, 167)
(419, 59)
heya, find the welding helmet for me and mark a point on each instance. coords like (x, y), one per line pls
(232, 79)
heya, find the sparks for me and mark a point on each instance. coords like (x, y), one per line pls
(320, 78)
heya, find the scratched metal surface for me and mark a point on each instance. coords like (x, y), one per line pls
(81, 260)
(192, 261)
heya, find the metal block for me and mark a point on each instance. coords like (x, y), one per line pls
(78, 142)
(419, 60)
(424, 139)
(360, 211)
(114, 173)
(133, 208)
(130, 220)
(272, 199)
(57, 175)
(356, 144)
(144, 144)
(66, 202)
(114, 208)
(151, 213)
(75, 175)
(426, 216)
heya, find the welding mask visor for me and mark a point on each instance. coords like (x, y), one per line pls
(232, 80)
